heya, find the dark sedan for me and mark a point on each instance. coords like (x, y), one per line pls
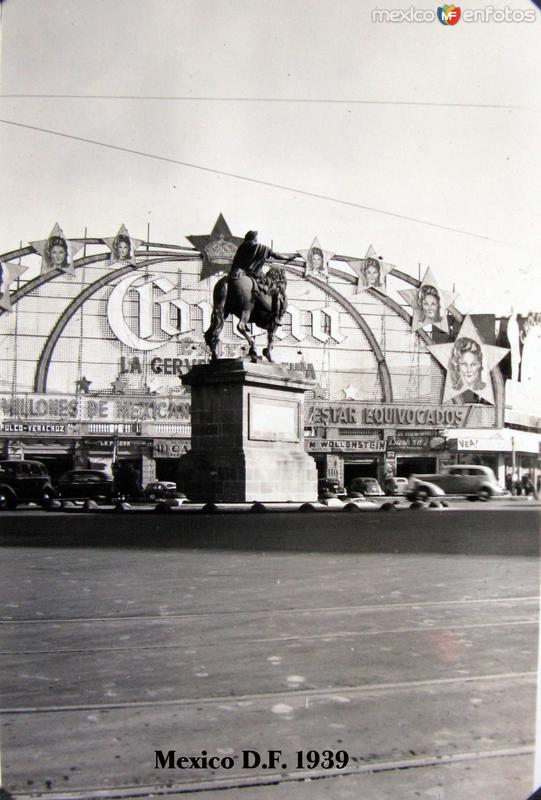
(327, 487)
(164, 490)
(23, 481)
(84, 484)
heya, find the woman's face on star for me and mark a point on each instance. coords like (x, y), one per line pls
(429, 306)
(58, 255)
(372, 275)
(123, 250)
(469, 367)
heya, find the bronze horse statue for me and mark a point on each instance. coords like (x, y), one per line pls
(251, 302)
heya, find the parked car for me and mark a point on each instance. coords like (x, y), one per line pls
(362, 503)
(163, 490)
(330, 486)
(466, 480)
(396, 486)
(24, 481)
(367, 486)
(86, 484)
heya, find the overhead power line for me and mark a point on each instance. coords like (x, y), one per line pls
(307, 100)
(257, 181)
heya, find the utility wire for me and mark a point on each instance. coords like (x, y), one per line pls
(307, 100)
(257, 181)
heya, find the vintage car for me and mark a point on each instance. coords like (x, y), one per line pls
(369, 487)
(396, 486)
(327, 487)
(24, 481)
(159, 490)
(164, 490)
(457, 479)
(86, 484)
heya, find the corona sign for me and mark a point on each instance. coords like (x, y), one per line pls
(176, 316)
(158, 292)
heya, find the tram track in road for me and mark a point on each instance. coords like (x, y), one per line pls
(195, 787)
(412, 648)
(277, 639)
(349, 691)
(269, 612)
(375, 745)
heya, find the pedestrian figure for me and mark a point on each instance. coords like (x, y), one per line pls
(516, 483)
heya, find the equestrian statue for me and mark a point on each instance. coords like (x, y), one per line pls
(250, 295)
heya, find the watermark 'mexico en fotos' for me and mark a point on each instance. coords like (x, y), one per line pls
(450, 15)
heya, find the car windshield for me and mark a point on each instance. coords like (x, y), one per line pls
(83, 477)
(37, 469)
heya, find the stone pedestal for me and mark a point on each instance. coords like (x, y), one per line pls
(247, 435)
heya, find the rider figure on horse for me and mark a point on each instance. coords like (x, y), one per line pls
(250, 259)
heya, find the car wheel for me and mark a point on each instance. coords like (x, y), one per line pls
(484, 495)
(8, 501)
(49, 494)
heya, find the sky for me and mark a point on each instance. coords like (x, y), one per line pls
(418, 138)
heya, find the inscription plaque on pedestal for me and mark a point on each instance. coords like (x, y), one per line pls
(273, 420)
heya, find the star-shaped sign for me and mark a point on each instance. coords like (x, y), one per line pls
(320, 392)
(118, 385)
(8, 274)
(350, 392)
(316, 260)
(154, 386)
(83, 385)
(122, 247)
(429, 303)
(217, 249)
(371, 271)
(469, 362)
(57, 252)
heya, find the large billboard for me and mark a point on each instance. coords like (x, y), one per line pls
(128, 321)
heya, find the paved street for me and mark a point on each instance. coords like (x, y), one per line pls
(407, 640)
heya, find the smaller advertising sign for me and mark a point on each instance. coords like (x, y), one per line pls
(32, 427)
(367, 415)
(357, 445)
(427, 440)
(94, 408)
(171, 448)
(104, 443)
(492, 445)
